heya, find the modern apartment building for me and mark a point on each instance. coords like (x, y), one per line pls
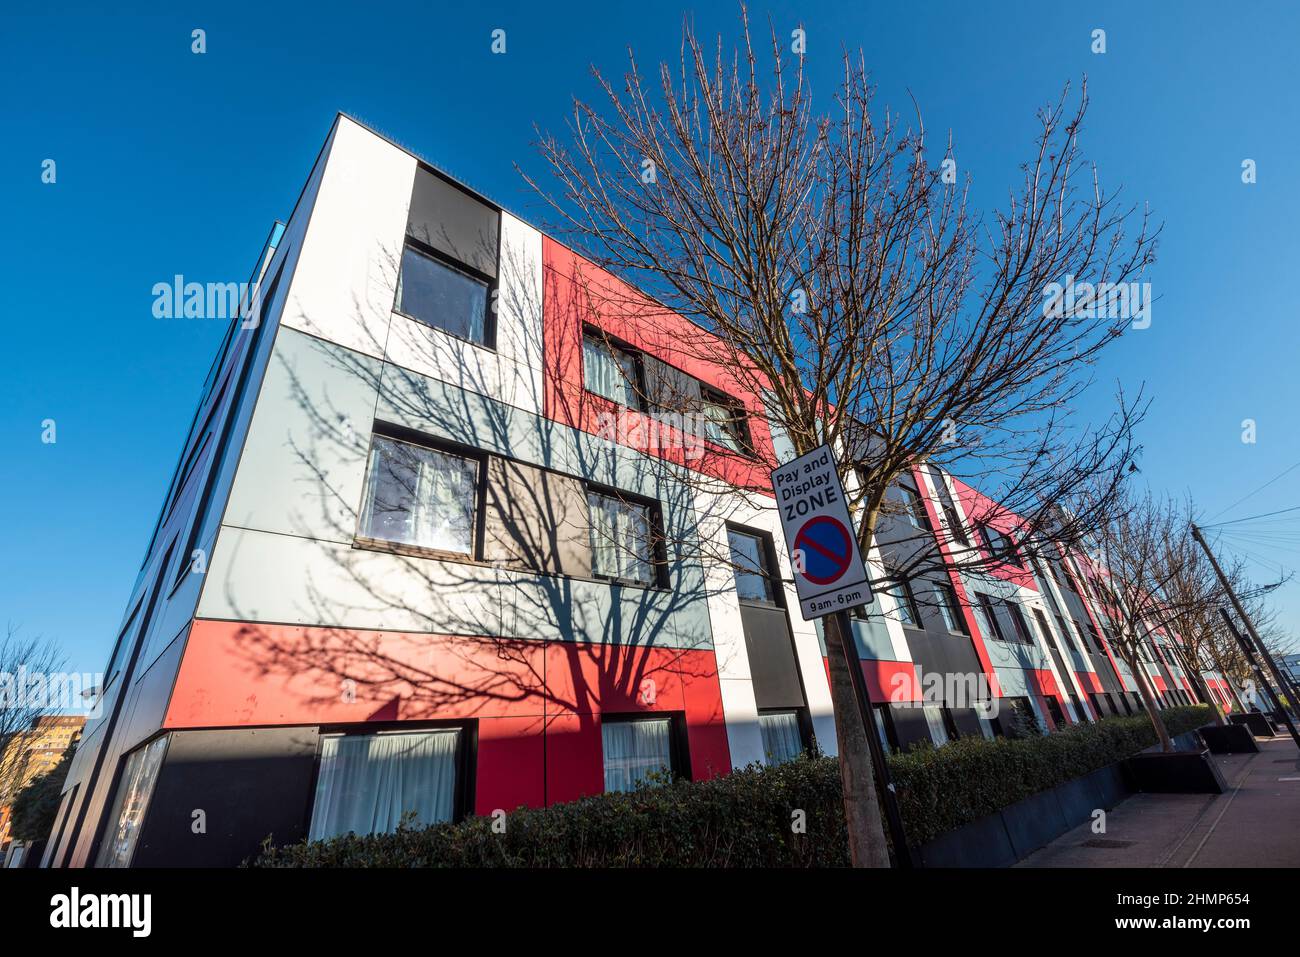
(407, 564)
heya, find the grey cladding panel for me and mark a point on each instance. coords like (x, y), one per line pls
(453, 222)
(536, 520)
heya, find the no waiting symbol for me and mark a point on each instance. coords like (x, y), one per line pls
(827, 547)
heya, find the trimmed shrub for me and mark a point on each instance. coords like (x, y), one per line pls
(742, 819)
(943, 788)
(790, 815)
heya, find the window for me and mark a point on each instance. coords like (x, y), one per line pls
(120, 650)
(885, 728)
(954, 523)
(1024, 720)
(1044, 629)
(139, 775)
(442, 296)
(1054, 709)
(749, 558)
(782, 738)
(1093, 637)
(634, 750)
(1066, 634)
(724, 422)
(987, 618)
(916, 514)
(610, 371)
(620, 539)
(949, 609)
(367, 783)
(908, 613)
(1018, 622)
(998, 545)
(420, 496)
(934, 719)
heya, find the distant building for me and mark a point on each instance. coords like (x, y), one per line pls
(35, 752)
(1291, 665)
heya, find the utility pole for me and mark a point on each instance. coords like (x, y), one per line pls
(1263, 679)
(1283, 685)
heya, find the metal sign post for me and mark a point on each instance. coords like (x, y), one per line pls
(830, 578)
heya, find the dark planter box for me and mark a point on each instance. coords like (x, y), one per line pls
(1175, 772)
(1259, 725)
(1229, 739)
(1006, 836)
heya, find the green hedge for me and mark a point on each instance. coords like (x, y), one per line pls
(943, 788)
(746, 818)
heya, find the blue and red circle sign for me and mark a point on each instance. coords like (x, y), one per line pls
(827, 549)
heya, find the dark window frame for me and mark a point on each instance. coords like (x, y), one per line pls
(407, 436)
(466, 758)
(918, 517)
(948, 596)
(492, 284)
(639, 387)
(913, 607)
(770, 570)
(989, 607)
(999, 547)
(737, 424)
(658, 537)
(679, 755)
(1018, 622)
(802, 718)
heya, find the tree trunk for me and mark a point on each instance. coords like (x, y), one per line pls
(1203, 687)
(1153, 708)
(862, 811)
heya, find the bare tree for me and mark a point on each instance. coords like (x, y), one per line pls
(832, 263)
(1158, 580)
(26, 667)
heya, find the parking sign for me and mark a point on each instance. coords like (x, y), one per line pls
(829, 574)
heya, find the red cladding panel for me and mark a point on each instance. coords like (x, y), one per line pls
(982, 510)
(578, 294)
(537, 704)
(1089, 681)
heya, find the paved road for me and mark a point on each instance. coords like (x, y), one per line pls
(1255, 824)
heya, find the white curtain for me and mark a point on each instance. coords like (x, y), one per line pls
(781, 738)
(633, 750)
(620, 538)
(608, 372)
(934, 718)
(719, 425)
(420, 496)
(130, 804)
(367, 782)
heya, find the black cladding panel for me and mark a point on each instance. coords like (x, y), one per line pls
(454, 222)
(248, 783)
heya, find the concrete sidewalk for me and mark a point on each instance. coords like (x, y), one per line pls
(1255, 824)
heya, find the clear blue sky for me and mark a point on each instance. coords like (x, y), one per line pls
(170, 162)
